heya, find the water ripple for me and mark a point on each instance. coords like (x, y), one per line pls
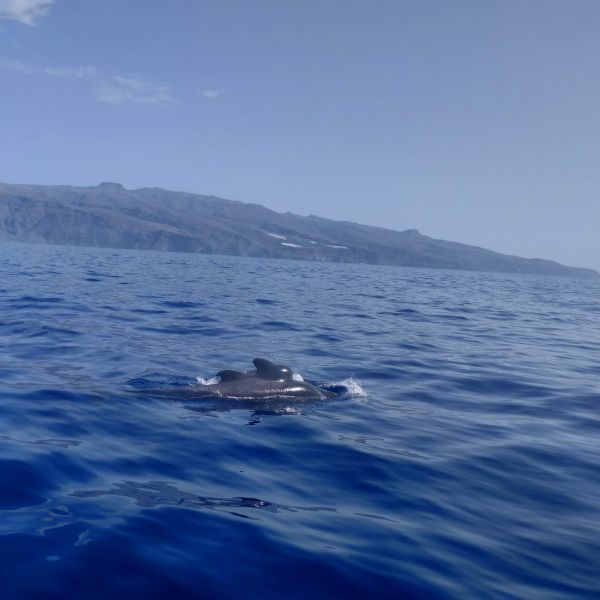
(464, 464)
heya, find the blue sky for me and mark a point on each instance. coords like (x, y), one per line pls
(471, 120)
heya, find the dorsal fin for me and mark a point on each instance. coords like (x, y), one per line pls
(268, 370)
(229, 375)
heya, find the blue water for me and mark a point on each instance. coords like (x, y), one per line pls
(464, 462)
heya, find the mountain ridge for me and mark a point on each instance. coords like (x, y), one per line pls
(110, 215)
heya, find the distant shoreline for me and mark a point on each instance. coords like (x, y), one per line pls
(111, 216)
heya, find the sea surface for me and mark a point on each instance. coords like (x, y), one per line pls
(461, 461)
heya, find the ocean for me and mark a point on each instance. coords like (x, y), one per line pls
(461, 461)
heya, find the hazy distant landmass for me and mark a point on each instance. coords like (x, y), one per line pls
(111, 216)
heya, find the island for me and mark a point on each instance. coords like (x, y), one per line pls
(111, 216)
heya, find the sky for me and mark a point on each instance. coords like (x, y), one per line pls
(471, 120)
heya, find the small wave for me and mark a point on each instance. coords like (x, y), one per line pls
(349, 387)
(279, 325)
(181, 304)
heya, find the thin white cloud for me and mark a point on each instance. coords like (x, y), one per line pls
(17, 66)
(117, 90)
(211, 94)
(24, 11)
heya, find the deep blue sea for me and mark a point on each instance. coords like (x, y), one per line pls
(462, 462)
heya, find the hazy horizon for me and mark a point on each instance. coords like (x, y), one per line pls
(471, 122)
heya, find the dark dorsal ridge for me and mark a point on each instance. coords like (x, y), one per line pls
(229, 375)
(265, 369)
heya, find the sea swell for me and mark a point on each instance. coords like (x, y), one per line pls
(461, 463)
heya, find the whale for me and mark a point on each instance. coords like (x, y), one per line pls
(269, 381)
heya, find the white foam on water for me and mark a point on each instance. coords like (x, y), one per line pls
(290, 245)
(353, 387)
(276, 235)
(337, 247)
(209, 381)
(297, 377)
